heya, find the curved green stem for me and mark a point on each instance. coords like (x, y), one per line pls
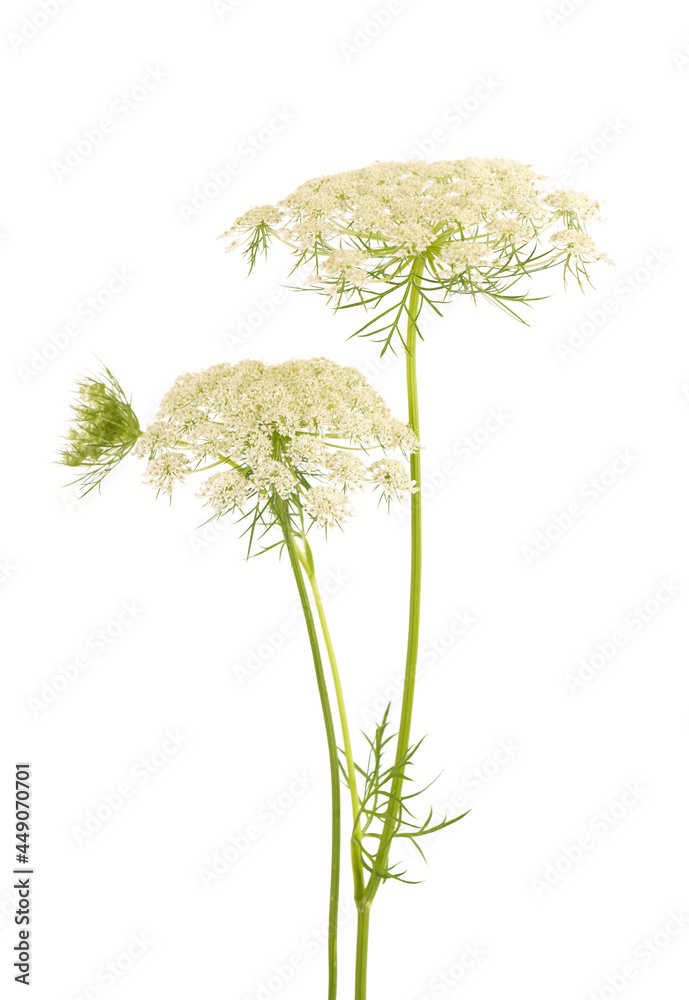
(295, 561)
(357, 864)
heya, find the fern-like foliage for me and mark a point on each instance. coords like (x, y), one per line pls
(384, 817)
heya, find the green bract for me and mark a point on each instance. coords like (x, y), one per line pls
(104, 429)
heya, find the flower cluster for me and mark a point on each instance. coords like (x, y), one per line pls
(460, 256)
(477, 224)
(285, 435)
(578, 245)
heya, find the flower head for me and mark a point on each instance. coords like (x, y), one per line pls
(347, 264)
(167, 470)
(462, 255)
(103, 431)
(283, 434)
(262, 215)
(392, 476)
(347, 470)
(575, 203)
(474, 226)
(578, 245)
(327, 506)
(225, 491)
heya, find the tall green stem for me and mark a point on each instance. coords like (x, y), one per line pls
(392, 812)
(415, 583)
(403, 736)
(332, 752)
(357, 864)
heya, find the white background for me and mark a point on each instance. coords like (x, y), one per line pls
(597, 92)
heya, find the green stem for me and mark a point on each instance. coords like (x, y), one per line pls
(357, 864)
(361, 954)
(332, 751)
(415, 586)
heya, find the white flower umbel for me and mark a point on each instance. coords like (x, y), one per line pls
(327, 505)
(280, 431)
(393, 478)
(477, 226)
(167, 470)
(577, 245)
(225, 490)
